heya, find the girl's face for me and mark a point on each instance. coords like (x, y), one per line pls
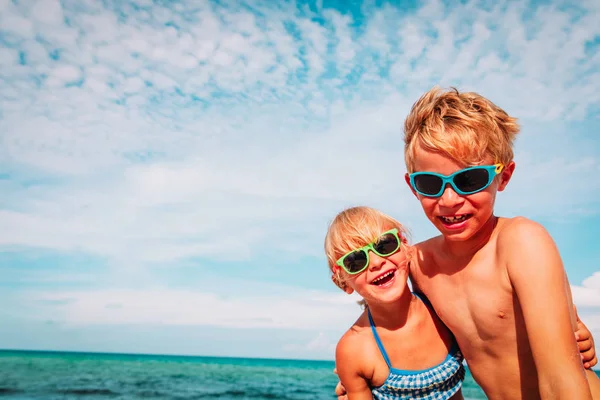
(385, 278)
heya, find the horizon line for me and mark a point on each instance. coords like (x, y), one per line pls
(136, 354)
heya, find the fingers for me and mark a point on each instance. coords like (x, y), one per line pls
(582, 333)
(589, 359)
(591, 363)
(340, 390)
(585, 345)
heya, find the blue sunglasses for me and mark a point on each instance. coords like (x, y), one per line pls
(466, 181)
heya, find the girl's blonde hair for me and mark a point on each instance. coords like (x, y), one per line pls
(354, 228)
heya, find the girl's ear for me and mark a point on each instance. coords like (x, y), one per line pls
(339, 282)
(347, 289)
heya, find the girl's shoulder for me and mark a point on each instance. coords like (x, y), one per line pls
(355, 335)
(357, 350)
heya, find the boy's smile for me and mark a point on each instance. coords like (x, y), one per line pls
(453, 221)
(457, 217)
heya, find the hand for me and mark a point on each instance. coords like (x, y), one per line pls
(585, 342)
(340, 390)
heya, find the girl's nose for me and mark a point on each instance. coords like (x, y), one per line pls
(375, 261)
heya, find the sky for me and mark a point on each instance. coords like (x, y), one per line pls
(168, 169)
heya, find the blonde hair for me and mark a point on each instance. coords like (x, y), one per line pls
(464, 126)
(354, 228)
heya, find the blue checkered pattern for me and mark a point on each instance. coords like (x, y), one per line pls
(440, 382)
(437, 383)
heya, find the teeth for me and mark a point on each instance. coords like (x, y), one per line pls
(455, 218)
(383, 277)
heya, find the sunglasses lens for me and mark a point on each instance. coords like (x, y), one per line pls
(472, 180)
(355, 261)
(428, 185)
(387, 244)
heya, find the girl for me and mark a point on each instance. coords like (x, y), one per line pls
(397, 348)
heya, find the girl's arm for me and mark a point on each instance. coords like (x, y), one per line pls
(457, 396)
(585, 342)
(351, 368)
(537, 275)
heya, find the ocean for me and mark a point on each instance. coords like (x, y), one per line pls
(34, 375)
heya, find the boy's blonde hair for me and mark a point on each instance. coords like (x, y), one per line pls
(354, 228)
(464, 126)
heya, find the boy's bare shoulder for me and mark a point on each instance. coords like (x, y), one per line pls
(523, 240)
(518, 232)
(426, 252)
(428, 246)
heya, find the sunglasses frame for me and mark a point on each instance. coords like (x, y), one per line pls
(493, 171)
(371, 247)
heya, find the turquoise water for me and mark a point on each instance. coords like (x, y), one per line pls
(56, 375)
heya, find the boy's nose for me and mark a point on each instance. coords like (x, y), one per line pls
(450, 198)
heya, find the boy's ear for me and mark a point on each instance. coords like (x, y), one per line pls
(407, 179)
(505, 175)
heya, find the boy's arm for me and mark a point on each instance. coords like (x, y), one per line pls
(536, 272)
(350, 369)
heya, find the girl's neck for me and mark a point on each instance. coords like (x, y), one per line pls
(394, 315)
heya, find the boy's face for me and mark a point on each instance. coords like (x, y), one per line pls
(457, 217)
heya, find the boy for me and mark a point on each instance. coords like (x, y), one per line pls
(498, 284)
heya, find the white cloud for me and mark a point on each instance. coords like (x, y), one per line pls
(64, 74)
(47, 11)
(276, 308)
(14, 23)
(241, 126)
(588, 294)
(320, 344)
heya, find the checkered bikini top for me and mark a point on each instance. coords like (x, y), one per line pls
(440, 382)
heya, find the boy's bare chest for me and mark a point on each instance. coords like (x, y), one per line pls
(476, 303)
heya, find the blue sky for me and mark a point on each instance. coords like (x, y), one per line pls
(168, 169)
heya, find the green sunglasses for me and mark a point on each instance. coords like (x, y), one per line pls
(356, 261)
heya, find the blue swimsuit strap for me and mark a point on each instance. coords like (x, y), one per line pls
(424, 299)
(379, 344)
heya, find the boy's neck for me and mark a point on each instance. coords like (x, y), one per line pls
(475, 243)
(393, 315)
